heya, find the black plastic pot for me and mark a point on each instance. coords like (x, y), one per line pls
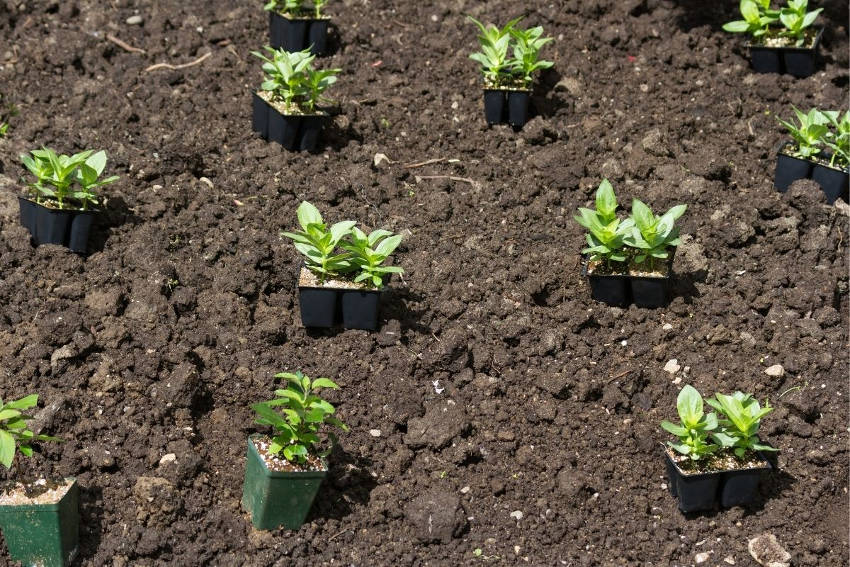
(833, 181)
(297, 34)
(518, 108)
(360, 309)
(799, 61)
(765, 59)
(653, 291)
(54, 226)
(298, 132)
(704, 491)
(495, 106)
(318, 306)
(789, 169)
(611, 289)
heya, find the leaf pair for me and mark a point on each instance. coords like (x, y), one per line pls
(290, 77)
(13, 429)
(298, 415)
(57, 174)
(295, 7)
(812, 130)
(499, 70)
(737, 431)
(363, 254)
(652, 236)
(758, 18)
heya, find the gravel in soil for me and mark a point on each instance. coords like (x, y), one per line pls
(540, 444)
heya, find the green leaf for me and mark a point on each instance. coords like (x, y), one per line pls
(606, 201)
(690, 406)
(24, 403)
(308, 214)
(738, 26)
(324, 383)
(387, 246)
(268, 414)
(7, 448)
(340, 229)
(676, 430)
(9, 413)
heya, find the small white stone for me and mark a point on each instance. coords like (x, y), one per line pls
(516, 514)
(667, 327)
(729, 560)
(135, 20)
(464, 490)
(672, 366)
(375, 432)
(169, 458)
(777, 371)
(701, 557)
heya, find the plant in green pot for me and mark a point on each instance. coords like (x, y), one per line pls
(39, 518)
(61, 202)
(715, 460)
(781, 40)
(295, 25)
(285, 469)
(286, 108)
(344, 270)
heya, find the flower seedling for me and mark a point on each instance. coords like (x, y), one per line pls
(606, 236)
(296, 8)
(493, 57)
(527, 53)
(62, 178)
(298, 415)
(810, 133)
(368, 253)
(741, 424)
(653, 236)
(796, 18)
(757, 18)
(13, 429)
(318, 243)
(290, 78)
(839, 140)
(694, 426)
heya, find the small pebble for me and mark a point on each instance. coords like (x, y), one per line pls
(516, 514)
(168, 458)
(672, 366)
(375, 432)
(777, 371)
(701, 557)
(135, 20)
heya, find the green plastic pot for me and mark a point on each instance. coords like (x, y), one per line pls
(43, 535)
(276, 498)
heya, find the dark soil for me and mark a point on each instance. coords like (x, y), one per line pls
(498, 386)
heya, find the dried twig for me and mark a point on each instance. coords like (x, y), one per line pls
(124, 45)
(452, 177)
(424, 163)
(336, 535)
(175, 67)
(620, 375)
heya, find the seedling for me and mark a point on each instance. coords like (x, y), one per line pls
(318, 243)
(302, 416)
(839, 140)
(296, 8)
(653, 236)
(60, 178)
(368, 253)
(810, 134)
(740, 427)
(493, 56)
(527, 53)
(757, 18)
(606, 237)
(694, 427)
(291, 79)
(795, 17)
(13, 429)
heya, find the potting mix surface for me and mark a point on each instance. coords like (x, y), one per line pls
(499, 415)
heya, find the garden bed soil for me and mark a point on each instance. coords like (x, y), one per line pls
(498, 408)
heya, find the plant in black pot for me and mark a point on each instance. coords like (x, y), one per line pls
(39, 518)
(295, 25)
(343, 272)
(286, 108)
(508, 81)
(715, 461)
(284, 471)
(653, 240)
(630, 260)
(807, 157)
(606, 260)
(62, 202)
(782, 41)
